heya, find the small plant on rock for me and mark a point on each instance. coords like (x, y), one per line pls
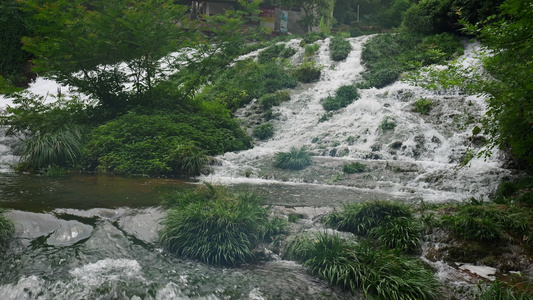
(296, 159)
(387, 123)
(354, 167)
(423, 106)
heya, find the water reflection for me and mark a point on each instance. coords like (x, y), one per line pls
(42, 194)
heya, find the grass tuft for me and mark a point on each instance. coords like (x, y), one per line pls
(379, 273)
(391, 224)
(215, 226)
(296, 159)
(6, 229)
(62, 147)
(307, 72)
(353, 168)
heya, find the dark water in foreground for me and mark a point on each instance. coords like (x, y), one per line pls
(95, 237)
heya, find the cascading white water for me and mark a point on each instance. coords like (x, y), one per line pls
(419, 158)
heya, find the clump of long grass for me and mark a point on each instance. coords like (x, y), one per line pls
(216, 226)
(62, 147)
(497, 290)
(188, 160)
(6, 229)
(487, 222)
(295, 159)
(378, 272)
(391, 224)
(354, 167)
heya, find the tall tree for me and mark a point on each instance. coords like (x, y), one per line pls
(119, 51)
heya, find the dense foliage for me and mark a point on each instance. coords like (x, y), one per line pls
(149, 143)
(247, 80)
(388, 55)
(14, 62)
(505, 81)
(216, 226)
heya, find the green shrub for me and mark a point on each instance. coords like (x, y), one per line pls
(216, 226)
(310, 50)
(274, 99)
(344, 96)
(387, 123)
(296, 159)
(307, 72)
(402, 233)
(355, 32)
(378, 272)
(354, 167)
(311, 37)
(287, 52)
(276, 51)
(138, 143)
(423, 106)
(361, 218)
(6, 229)
(263, 131)
(339, 48)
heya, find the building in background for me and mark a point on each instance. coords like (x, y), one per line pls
(278, 19)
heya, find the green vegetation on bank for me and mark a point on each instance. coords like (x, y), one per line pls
(215, 226)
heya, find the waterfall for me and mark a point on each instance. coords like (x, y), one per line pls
(421, 157)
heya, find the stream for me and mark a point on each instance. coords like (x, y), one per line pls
(95, 237)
